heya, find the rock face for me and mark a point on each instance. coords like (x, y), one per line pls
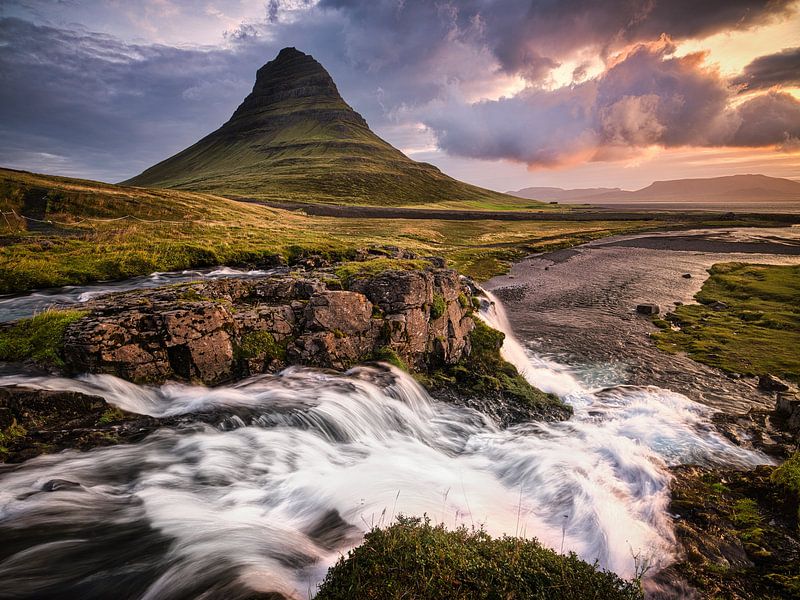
(35, 421)
(788, 406)
(216, 331)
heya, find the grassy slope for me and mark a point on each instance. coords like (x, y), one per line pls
(758, 332)
(215, 230)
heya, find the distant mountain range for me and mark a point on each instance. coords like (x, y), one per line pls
(295, 139)
(733, 189)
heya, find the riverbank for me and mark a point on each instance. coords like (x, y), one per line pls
(736, 528)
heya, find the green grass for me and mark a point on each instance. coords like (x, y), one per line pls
(788, 476)
(212, 230)
(486, 371)
(414, 559)
(387, 355)
(40, 338)
(758, 332)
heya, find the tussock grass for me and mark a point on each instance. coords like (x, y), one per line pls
(415, 559)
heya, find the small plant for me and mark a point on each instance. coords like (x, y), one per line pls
(260, 343)
(388, 355)
(438, 306)
(788, 476)
(111, 415)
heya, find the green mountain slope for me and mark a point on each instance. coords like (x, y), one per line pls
(295, 138)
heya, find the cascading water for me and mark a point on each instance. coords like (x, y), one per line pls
(298, 465)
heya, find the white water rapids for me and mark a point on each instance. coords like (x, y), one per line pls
(302, 463)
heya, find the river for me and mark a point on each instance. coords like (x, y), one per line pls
(297, 466)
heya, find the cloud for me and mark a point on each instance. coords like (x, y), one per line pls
(781, 68)
(769, 119)
(648, 97)
(110, 105)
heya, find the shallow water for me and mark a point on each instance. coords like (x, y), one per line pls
(577, 306)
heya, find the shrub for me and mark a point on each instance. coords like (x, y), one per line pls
(414, 559)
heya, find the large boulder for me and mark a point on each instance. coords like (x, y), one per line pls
(217, 331)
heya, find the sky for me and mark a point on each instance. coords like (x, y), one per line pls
(501, 93)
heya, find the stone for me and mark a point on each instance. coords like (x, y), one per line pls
(687, 275)
(788, 406)
(217, 331)
(647, 309)
(717, 305)
(770, 383)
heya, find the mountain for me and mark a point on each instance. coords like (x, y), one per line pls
(733, 191)
(556, 194)
(295, 138)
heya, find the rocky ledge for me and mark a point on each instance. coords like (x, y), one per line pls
(218, 331)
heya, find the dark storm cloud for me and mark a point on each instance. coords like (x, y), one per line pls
(781, 68)
(530, 37)
(96, 104)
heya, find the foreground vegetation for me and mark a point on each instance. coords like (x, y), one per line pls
(414, 559)
(162, 230)
(747, 321)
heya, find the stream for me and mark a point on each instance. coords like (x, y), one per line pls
(298, 465)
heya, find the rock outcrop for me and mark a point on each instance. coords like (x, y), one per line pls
(217, 331)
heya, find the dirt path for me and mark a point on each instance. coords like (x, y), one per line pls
(388, 212)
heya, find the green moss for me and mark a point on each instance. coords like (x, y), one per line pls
(438, 306)
(463, 301)
(259, 344)
(756, 328)
(40, 338)
(388, 355)
(788, 476)
(485, 370)
(111, 415)
(12, 432)
(414, 559)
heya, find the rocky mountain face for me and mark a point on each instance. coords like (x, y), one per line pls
(295, 138)
(222, 330)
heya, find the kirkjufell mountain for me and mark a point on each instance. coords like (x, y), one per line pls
(295, 138)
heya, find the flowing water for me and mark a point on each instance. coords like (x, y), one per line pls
(297, 466)
(13, 307)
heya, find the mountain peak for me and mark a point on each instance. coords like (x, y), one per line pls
(292, 80)
(294, 137)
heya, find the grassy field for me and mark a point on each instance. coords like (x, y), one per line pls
(160, 230)
(747, 320)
